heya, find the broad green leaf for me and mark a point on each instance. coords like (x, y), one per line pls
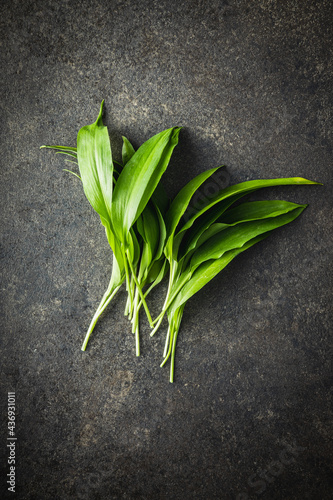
(248, 211)
(245, 188)
(148, 222)
(206, 272)
(138, 180)
(180, 203)
(96, 167)
(159, 197)
(253, 210)
(127, 151)
(149, 227)
(186, 240)
(213, 229)
(152, 228)
(237, 236)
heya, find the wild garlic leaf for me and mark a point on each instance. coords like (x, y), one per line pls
(139, 178)
(61, 148)
(159, 196)
(68, 153)
(180, 204)
(162, 234)
(213, 229)
(248, 211)
(157, 271)
(148, 226)
(186, 239)
(242, 189)
(236, 236)
(253, 210)
(134, 249)
(96, 166)
(116, 248)
(127, 151)
(206, 272)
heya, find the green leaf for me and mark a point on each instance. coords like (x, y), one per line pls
(96, 167)
(237, 236)
(116, 248)
(149, 228)
(186, 240)
(211, 231)
(157, 271)
(206, 272)
(245, 188)
(180, 204)
(62, 148)
(127, 151)
(162, 234)
(68, 153)
(159, 197)
(138, 180)
(135, 249)
(254, 210)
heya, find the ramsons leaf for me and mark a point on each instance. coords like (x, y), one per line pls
(207, 271)
(242, 189)
(180, 204)
(236, 236)
(96, 166)
(139, 178)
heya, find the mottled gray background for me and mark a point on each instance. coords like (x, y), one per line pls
(251, 83)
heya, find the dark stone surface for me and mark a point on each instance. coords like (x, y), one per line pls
(251, 83)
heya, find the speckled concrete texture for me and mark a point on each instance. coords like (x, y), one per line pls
(249, 415)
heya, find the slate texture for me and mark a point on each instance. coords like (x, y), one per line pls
(249, 415)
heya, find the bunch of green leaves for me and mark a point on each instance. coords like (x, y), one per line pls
(211, 238)
(130, 205)
(148, 235)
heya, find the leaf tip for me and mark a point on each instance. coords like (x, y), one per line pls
(307, 181)
(318, 183)
(99, 118)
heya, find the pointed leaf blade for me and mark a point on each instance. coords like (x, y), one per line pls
(96, 166)
(139, 178)
(127, 151)
(245, 188)
(236, 236)
(206, 272)
(182, 200)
